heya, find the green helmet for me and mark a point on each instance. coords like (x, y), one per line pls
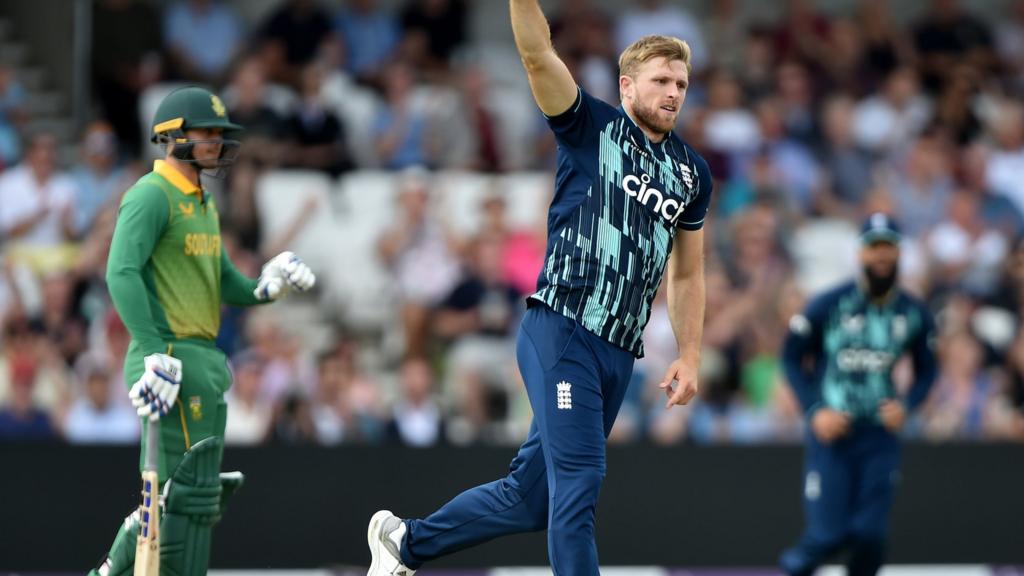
(191, 107)
(194, 107)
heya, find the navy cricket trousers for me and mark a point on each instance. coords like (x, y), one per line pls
(848, 492)
(575, 382)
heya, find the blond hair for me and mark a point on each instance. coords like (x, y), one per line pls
(650, 47)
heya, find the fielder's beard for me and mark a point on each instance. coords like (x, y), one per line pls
(879, 284)
(647, 117)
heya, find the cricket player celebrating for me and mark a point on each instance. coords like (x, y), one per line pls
(168, 275)
(839, 357)
(630, 200)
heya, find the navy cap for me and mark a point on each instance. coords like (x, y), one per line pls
(880, 227)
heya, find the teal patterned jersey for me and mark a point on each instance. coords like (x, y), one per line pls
(852, 345)
(619, 202)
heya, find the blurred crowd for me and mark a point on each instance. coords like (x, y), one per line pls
(808, 121)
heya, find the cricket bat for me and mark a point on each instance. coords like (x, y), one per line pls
(147, 547)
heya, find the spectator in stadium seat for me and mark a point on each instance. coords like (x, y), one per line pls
(1009, 290)
(13, 115)
(95, 417)
(59, 318)
(125, 61)
(37, 206)
(668, 19)
(845, 59)
(756, 72)
(955, 107)
(887, 122)
(803, 35)
(348, 407)
(966, 397)
(288, 369)
(1009, 45)
(1014, 386)
(522, 249)
(1006, 160)
(432, 31)
(482, 142)
(264, 144)
(318, 136)
(921, 185)
(293, 421)
(420, 252)
(369, 35)
(886, 46)
(797, 102)
(249, 413)
(402, 132)
(792, 167)
(293, 36)
(479, 317)
(20, 418)
(727, 26)
(997, 210)
(948, 35)
(964, 252)
(849, 168)
(582, 34)
(729, 126)
(332, 413)
(201, 37)
(416, 415)
(100, 178)
(24, 345)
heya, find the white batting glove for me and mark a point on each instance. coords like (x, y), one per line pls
(283, 273)
(155, 392)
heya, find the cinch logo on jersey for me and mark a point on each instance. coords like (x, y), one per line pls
(863, 360)
(638, 187)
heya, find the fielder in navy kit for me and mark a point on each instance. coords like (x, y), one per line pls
(630, 200)
(838, 357)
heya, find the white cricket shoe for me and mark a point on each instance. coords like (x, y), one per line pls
(384, 535)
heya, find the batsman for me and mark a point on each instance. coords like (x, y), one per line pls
(168, 274)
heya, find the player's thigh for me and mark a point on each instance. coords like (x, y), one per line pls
(205, 379)
(564, 386)
(828, 489)
(879, 476)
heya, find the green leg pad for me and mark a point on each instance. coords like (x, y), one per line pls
(192, 505)
(195, 500)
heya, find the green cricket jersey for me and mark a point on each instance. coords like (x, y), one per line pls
(167, 271)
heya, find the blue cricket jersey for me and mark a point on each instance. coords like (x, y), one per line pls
(840, 352)
(619, 201)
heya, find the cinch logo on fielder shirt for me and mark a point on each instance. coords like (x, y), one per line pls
(638, 188)
(564, 395)
(864, 360)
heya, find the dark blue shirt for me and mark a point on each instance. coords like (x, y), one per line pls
(841, 351)
(619, 201)
(22, 427)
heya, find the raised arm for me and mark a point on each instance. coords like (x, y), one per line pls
(550, 80)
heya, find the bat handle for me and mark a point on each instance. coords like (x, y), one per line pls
(152, 444)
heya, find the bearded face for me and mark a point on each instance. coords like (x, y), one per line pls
(880, 264)
(655, 96)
